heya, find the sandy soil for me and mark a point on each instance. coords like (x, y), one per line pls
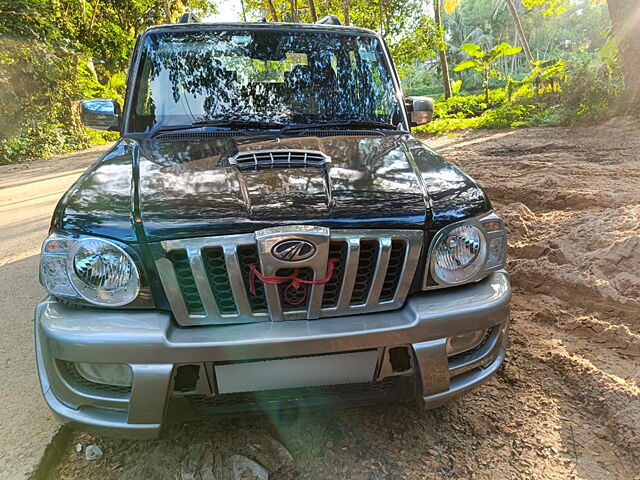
(567, 402)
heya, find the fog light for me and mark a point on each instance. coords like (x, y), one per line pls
(119, 374)
(465, 342)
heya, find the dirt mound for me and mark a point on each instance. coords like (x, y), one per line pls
(615, 402)
(572, 207)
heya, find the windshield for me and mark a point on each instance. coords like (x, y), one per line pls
(261, 76)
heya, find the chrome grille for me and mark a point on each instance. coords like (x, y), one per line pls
(278, 158)
(207, 279)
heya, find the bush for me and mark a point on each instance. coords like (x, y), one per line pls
(591, 94)
(504, 116)
(39, 91)
(42, 139)
(466, 106)
(425, 91)
(584, 91)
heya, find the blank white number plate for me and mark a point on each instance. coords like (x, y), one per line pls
(338, 369)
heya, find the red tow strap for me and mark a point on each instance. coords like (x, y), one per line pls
(296, 283)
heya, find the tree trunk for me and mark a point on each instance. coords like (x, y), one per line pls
(625, 18)
(167, 11)
(522, 37)
(312, 10)
(273, 11)
(345, 9)
(294, 11)
(444, 64)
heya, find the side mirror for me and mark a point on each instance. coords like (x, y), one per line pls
(100, 114)
(420, 110)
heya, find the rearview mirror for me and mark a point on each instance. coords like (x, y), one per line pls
(100, 114)
(420, 110)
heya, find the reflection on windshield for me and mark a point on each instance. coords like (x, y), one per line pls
(293, 77)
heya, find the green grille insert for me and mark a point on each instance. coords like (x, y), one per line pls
(337, 250)
(366, 268)
(186, 282)
(249, 254)
(394, 270)
(218, 276)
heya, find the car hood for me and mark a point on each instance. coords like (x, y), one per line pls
(157, 189)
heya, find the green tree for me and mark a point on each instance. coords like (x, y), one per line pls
(272, 11)
(625, 19)
(442, 49)
(522, 37)
(346, 14)
(452, 5)
(409, 31)
(56, 52)
(482, 61)
(312, 10)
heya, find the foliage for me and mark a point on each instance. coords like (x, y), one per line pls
(425, 90)
(468, 106)
(546, 76)
(548, 7)
(456, 86)
(56, 52)
(588, 95)
(410, 32)
(451, 5)
(555, 93)
(38, 110)
(505, 116)
(483, 62)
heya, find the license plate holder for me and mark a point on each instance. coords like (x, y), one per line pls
(296, 372)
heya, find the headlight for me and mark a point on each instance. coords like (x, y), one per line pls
(466, 251)
(96, 270)
(102, 273)
(459, 255)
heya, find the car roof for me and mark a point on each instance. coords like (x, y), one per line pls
(275, 26)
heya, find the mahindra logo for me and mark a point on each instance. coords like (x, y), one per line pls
(293, 250)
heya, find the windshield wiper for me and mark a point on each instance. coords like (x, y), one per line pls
(355, 123)
(243, 124)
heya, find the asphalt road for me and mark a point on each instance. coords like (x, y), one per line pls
(28, 194)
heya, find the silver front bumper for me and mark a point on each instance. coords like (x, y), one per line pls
(152, 344)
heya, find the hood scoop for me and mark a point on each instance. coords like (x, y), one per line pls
(279, 158)
(284, 183)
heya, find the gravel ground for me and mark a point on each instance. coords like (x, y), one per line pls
(566, 404)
